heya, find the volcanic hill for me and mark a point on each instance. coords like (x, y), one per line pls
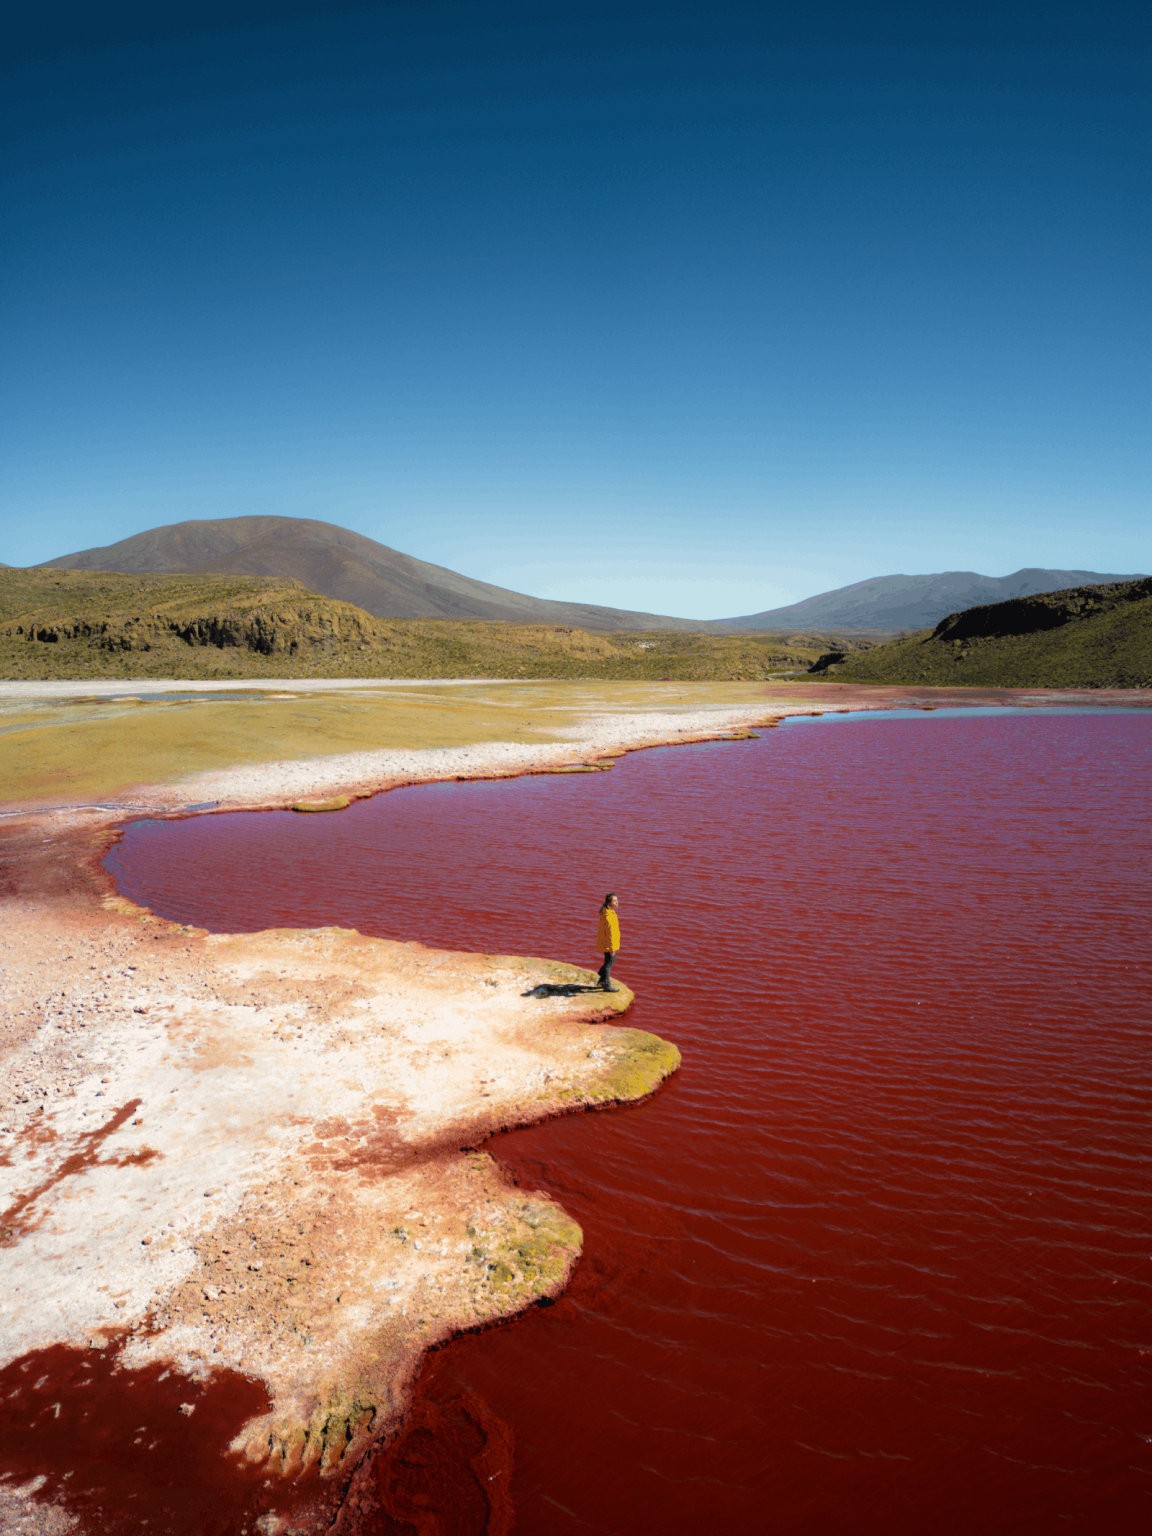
(345, 565)
(387, 583)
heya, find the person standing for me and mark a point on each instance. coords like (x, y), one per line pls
(608, 940)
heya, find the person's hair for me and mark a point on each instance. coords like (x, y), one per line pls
(607, 899)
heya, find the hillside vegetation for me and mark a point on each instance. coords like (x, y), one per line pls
(91, 624)
(1083, 637)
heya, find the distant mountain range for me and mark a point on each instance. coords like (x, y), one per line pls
(388, 584)
(915, 602)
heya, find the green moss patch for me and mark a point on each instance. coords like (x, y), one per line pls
(639, 1063)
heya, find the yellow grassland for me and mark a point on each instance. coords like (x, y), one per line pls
(67, 749)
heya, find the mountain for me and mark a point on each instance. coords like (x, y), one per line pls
(914, 602)
(1086, 637)
(388, 584)
(344, 565)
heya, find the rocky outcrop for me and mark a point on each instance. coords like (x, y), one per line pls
(829, 662)
(277, 631)
(1033, 615)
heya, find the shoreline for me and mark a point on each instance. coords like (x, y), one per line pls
(599, 733)
(243, 1152)
(260, 1154)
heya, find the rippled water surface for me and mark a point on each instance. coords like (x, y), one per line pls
(879, 1258)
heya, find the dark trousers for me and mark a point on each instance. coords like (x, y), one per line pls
(606, 968)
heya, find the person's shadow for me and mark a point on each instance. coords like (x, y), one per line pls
(565, 989)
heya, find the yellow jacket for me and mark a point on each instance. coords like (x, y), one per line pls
(608, 933)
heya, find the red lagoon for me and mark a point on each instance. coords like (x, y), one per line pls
(879, 1258)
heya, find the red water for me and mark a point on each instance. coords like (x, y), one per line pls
(127, 1451)
(879, 1258)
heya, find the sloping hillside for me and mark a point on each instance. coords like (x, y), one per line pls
(53, 593)
(893, 603)
(345, 565)
(387, 583)
(1085, 637)
(79, 624)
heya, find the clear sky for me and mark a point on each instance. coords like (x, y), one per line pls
(695, 308)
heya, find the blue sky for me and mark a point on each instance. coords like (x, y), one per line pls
(692, 308)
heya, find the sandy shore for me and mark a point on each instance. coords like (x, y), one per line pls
(245, 1152)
